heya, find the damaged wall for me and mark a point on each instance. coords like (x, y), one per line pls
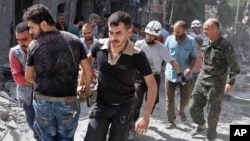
(6, 25)
(9, 20)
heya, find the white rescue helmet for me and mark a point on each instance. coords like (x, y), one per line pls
(153, 28)
(196, 23)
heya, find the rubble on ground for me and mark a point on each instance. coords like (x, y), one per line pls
(11, 118)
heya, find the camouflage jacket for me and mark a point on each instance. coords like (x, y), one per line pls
(219, 64)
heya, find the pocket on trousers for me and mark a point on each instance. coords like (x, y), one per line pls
(69, 115)
(24, 94)
(95, 111)
(42, 111)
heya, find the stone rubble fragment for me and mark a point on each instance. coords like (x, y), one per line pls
(11, 115)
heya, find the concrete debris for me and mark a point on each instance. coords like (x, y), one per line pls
(240, 97)
(12, 135)
(3, 112)
(11, 124)
(11, 115)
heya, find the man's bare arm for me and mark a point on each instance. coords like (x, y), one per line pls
(30, 74)
(143, 122)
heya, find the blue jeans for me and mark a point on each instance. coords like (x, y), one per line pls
(56, 120)
(103, 115)
(30, 118)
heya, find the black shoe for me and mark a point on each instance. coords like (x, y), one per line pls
(171, 125)
(197, 131)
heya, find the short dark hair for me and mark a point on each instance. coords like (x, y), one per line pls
(78, 19)
(167, 26)
(199, 40)
(106, 15)
(120, 16)
(21, 27)
(87, 25)
(60, 15)
(94, 16)
(181, 23)
(136, 25)
(38, 13)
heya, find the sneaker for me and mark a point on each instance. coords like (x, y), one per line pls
(171, 125)
(197, 131)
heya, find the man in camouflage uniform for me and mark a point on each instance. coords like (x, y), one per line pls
(218, 73)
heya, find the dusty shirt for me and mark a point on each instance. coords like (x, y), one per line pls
(56, 56)
(220, 64)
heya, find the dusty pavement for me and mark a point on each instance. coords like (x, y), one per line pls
(157, 132)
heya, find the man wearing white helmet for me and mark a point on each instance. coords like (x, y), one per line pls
(197, 30)
(156, 53)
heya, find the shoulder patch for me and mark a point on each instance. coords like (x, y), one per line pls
(136, 50)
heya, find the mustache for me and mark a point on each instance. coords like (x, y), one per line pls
(24, 46)
(88, 39)
(149, 42)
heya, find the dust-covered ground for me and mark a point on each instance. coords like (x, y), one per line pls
(157, 130)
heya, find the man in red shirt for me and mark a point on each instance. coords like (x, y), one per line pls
(17, 58)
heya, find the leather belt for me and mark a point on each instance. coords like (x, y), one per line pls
(67, 99)
(156, 73)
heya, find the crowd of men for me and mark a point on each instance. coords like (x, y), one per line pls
(127, 60)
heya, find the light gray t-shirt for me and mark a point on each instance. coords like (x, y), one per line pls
(87, 50)
(156, 54)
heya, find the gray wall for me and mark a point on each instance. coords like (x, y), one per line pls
(7, 15)
(69, 9)
(6, 24)
(7, 19)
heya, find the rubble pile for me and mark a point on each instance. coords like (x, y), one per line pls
(240, 98)
(12, 119)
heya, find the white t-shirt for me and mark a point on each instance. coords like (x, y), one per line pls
(156, 54)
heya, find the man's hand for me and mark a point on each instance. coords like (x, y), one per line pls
(141, 125)
(187, 72)
(182, 78)
(83, 91)
(229, 88)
